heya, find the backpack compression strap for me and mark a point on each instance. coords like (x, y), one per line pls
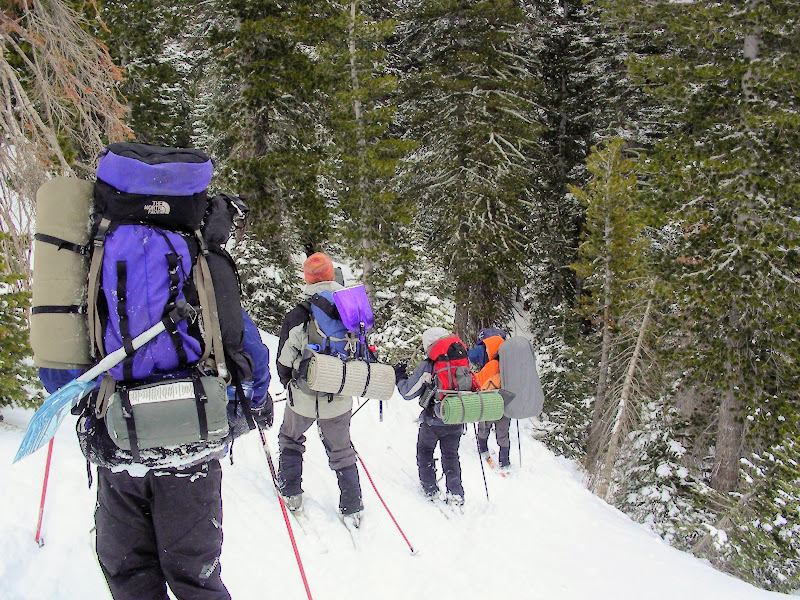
(60, 245)
(95, 327)
(208, 305)
(130, 423)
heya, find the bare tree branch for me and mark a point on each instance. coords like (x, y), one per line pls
(59, 107)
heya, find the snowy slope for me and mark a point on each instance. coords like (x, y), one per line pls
(541, 535)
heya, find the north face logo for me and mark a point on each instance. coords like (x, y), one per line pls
(158, 207)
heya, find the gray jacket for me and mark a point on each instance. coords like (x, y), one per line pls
(415, 386)
(293, 340)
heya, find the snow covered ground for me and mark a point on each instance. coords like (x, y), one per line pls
(541, 534)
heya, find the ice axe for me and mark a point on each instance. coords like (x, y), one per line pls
(46, 420)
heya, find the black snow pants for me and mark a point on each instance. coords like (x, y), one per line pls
(163, 529)
(448, 437)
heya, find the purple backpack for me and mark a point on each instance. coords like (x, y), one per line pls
(342, 320)
(149, 205)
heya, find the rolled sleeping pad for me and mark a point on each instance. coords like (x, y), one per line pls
(470, 407)
(332, 375)
(59, 335)
(519, 376)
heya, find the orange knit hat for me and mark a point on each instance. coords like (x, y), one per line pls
(318, 267)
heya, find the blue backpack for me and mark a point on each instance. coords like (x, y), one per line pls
(328, 331)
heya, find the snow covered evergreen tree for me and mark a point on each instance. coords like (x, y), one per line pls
(469, 99)
(561, 45)
(409, 301)
(363, 157)
(267, 122)
(16, 372)
(150, 41)
(725, 180)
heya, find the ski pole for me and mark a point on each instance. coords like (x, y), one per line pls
(477, 443)
(519, 443)
(396, 524)
(283, 509)
(38, 539)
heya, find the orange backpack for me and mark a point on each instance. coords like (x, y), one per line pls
(489, 376)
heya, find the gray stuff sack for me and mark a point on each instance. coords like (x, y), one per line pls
(168, 413)
(518, 376)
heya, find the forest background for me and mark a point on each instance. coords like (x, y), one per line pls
(620, 177)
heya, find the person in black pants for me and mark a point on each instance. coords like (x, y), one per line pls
(432, 430)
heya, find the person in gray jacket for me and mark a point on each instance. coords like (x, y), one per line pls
(331, 413)
(432, 430)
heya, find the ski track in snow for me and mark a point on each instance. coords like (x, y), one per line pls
(541, 534)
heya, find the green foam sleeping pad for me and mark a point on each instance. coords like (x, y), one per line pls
(471, 407)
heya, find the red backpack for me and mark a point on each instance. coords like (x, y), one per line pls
(451, 367)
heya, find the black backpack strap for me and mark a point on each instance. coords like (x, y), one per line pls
(344, 378)
(122, 314)
(169, 325)
(369, 376)
(201, 399)
(62, 244)
(78, 309)
(127, 413)
(329, 308)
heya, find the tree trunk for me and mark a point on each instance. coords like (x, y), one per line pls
(730, 426)
(367, 263)
(730, 433)
(619, 429)
(596, 431)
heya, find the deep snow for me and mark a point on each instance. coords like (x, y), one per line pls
(541, 535)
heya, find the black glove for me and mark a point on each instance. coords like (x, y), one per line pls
(264, 413)
(400, 371)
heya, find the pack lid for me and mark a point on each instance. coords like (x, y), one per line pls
(155, 170)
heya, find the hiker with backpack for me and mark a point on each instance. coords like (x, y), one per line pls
(446, 367)
(300, 332)
(486, 356)
(160, 419)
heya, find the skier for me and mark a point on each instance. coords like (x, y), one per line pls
(158, 516)
(432, 430)
(485, 356)
(331, 412)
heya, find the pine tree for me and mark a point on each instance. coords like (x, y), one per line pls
(562, 44)
(469, 94)
(618, 298)
(725, 179)
(150, 42)
(363, 156)
(268, 123)
(16, 372)
(268, 292)
(409, 302)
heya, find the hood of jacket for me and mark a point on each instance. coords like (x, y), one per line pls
(493, 344)
(321, 286)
